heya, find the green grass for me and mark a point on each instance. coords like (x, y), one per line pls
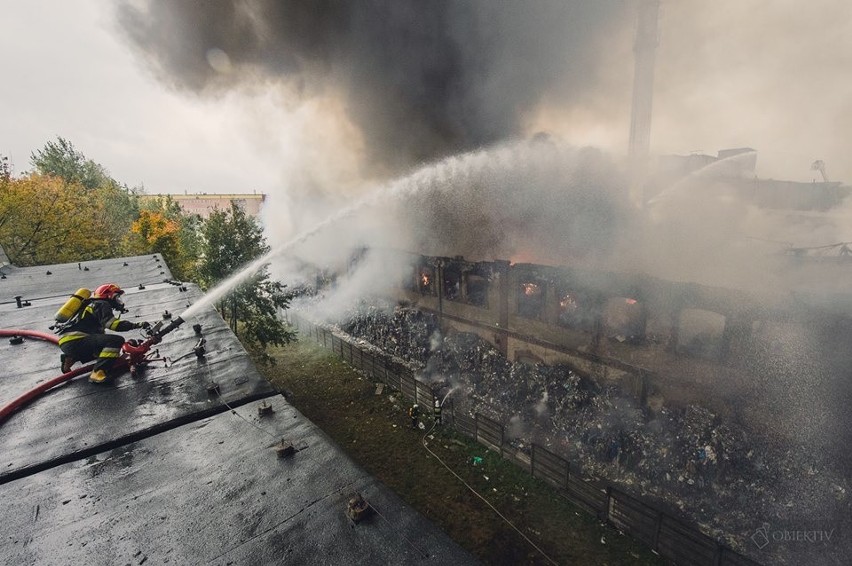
(374, 430)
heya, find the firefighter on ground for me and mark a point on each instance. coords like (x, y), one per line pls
(414, 415)
(84, 338)
(436, 412)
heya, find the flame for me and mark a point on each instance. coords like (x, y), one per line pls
(568, 303)
(531, 289)
(630, 301)
(424, 279)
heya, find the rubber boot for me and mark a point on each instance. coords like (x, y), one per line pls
(98, 376)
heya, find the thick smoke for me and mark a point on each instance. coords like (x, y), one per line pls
(420, 80)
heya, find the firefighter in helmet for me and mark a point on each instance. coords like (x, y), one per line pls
(84, 338)
(414, 415)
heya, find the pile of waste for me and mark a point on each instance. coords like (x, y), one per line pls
(687, 459)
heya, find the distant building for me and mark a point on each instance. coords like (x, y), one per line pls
(204, 203)
(736, 168)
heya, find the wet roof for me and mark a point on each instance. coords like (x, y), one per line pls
(156, 468)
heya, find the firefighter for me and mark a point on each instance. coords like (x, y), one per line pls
(84, 338)
(436, 412)
(414, 415)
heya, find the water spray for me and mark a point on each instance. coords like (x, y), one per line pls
(453, 388)
(461, 168)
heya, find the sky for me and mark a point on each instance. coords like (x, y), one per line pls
(772, 75)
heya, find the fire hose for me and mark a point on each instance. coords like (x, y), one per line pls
(135, 355)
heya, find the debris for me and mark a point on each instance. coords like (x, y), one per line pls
(678, 455)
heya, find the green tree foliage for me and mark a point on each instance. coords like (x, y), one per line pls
(61, 159)
(232, 239)
(119, 205)
(69, 209)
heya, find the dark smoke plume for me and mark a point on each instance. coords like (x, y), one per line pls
(420, 79)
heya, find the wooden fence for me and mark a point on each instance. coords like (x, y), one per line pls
(670, 537)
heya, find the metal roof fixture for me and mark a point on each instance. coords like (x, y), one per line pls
(199, 349)
(167, 315)
(213, 388)
(197, 329)
(49, 272)
(15, 340)
(284, 449)
(357, 509)
(141, 287)
(264, 409)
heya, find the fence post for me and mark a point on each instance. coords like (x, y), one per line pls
(717, 558)
(532, 460)
(657, 530)
(476, 427)
(608, 503)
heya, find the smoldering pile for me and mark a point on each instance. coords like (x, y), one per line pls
(686, 458)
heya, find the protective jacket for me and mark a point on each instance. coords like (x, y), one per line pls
(95, 318)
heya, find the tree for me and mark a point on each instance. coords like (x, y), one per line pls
(162, 227)
(47, 220)
(118, 205)
(61, 159)
(230, 240)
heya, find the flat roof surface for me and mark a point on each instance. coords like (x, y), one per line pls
(156, 470)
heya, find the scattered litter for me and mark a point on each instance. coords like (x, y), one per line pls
(683, 454)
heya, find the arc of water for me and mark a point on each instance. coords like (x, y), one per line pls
(437, 174)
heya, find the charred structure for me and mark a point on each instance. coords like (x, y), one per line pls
(680, 392)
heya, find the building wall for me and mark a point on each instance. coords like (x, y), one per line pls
(640, 331)
(203, 204)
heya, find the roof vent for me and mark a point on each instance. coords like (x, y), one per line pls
(284, 449)
(264, 409)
